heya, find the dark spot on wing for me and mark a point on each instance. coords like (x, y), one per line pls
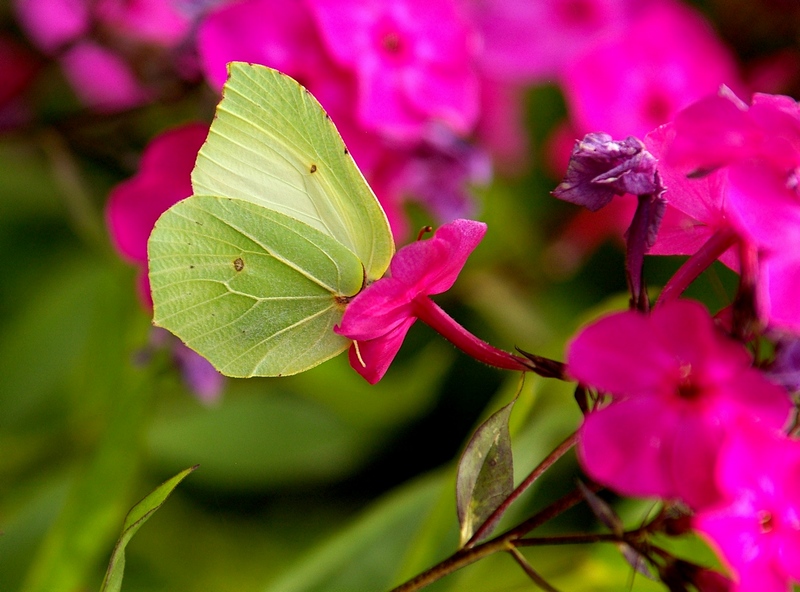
(313, 168)
(238, 264)
(346, 151)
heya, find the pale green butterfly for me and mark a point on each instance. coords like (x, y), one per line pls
(254, 270)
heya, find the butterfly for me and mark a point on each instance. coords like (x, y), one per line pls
(255, 269)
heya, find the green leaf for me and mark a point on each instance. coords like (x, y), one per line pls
(254, 270)
(138, 515)
(485, 473)
(253, 290)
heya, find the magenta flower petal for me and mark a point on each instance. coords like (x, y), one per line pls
(379, 317)
(413, 60)
(752, 192)
(535, 41)
(381, 307)
(163, 179)
(756, 527)
(52, 24)
(618, 354)
(627, 84)
(434, 265)
(678, 387)
(374, 356)
(101, 78)
(152, 21)
(623, 446)
(277, 34)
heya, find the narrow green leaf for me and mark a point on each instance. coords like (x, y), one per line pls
(138, 515)
(485, 473)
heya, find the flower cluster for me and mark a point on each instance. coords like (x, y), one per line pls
(115, 54)
(692, 417)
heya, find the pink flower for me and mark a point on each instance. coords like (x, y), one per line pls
(756, 527)
(286, 36)
(629, 83)
(103, 45)
(378, 319)
(101, 78)
(413, 60)
(163, 179)
(676, 384)
(731, 167)
(51, 24)
(153, 21)
(535, 41)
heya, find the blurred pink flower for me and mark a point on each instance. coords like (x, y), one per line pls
(756, 527)
(152, 21)
(535, 41)
(100, 45)
(413, 60)
(629, 83)
(163, 179)
(728, 166)
(101, 78)
(52, 24)
(677, 384)
(287, 37)
(379, 317)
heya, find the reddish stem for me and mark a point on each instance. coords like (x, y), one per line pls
(712, 250)
(432, 315)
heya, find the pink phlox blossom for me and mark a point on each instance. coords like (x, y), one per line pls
(534, 41)
(101, 78)
(413, 60)
(676, 384)
(731, 166)
(628, 84)
(286, 36)
(52, 24)
(115, 53)
(501, 127)
(379, 317)
(152, 21)
(756, 526)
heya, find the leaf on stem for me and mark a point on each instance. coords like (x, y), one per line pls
(138, 515)
(485, 473)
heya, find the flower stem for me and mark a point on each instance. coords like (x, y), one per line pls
(504, 542)
(432, 315)
(712, 250)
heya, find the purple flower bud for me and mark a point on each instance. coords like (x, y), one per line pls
(601, 168)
